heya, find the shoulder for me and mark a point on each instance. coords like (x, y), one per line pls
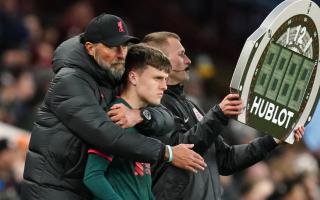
(108, 157)
(75, 78)
(69, 83)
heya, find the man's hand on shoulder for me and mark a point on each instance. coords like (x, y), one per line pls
(124, 116)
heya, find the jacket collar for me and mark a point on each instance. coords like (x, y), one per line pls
(176, 89)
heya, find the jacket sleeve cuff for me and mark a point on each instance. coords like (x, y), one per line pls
(268, 143)
(162, 153)
(220, 115)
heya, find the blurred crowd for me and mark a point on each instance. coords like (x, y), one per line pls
(291, 172)
(213, 33)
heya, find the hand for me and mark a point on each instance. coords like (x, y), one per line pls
(231, 105)
(185, 158)
(124, 116)
(298, 134)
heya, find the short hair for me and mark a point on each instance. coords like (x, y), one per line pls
(159, 39)
(141, 55)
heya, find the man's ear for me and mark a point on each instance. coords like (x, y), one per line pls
(90, 48)
(133, 77)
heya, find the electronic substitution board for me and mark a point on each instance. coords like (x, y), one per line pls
(277, 74)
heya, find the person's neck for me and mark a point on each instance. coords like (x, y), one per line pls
(131, 97)
(173, 82)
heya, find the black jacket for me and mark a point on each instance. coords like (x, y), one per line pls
(193, 127)
(71, 118)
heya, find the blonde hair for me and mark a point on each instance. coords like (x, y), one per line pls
(159, 39)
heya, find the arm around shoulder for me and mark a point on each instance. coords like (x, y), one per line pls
(73, 100)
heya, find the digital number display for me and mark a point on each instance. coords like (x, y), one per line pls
(284, 76)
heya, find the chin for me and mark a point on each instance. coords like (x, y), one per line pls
(154, 103)
(184, 79)
(187, 78)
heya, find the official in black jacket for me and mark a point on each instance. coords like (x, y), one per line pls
(193, 126)
(72, 116)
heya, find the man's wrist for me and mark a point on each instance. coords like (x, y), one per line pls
(139, 119)
(219, 113)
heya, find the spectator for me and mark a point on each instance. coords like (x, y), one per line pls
(9, 187)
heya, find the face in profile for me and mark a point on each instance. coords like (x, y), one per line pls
(150, 84)
(179, 61)
(111, 59)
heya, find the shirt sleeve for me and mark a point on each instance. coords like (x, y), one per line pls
(94, 178)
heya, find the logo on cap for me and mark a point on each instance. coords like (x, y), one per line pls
(120, 26)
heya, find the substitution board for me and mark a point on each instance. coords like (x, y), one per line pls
(277, 74)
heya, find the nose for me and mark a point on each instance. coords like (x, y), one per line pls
(187, 60)
(122, 51)
(163, 85)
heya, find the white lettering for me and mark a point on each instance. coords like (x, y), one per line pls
(297, 33)
(288, 35)
(274, 119)
(262, 113)
(303, 33)
(282, 117)
(290, 114)
(255, 105)
(307, 45)
(271, 112)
